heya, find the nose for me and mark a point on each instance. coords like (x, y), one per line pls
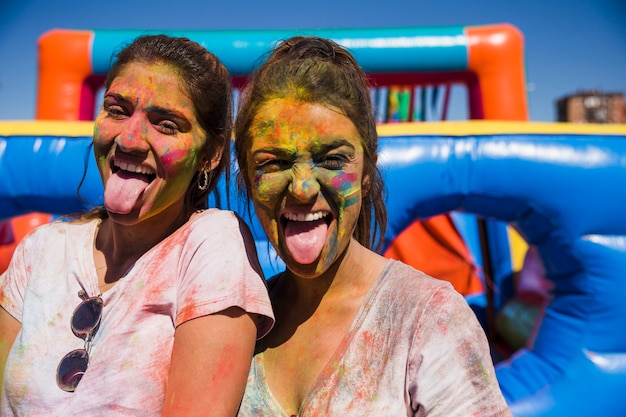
(133, 135)
(304, 185)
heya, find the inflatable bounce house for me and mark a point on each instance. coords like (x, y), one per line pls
(526, 219)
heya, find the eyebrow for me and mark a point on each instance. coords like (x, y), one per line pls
(181, 118)
(318, 149)
(337, 143)
(279, 151)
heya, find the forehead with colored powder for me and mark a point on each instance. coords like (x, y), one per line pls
(297, 120)
(154, 84)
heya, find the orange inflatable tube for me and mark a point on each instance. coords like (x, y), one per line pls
(13, 230)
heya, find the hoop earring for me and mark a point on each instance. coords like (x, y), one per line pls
(203, 180)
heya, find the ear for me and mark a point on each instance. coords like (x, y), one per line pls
(366, 182)
(210, 164)
(365, 185)
(219, 151)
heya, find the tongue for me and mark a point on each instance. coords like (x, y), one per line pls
(305, 240)
(122, 191)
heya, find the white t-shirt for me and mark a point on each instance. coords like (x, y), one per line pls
(415, 348)
(202, 268)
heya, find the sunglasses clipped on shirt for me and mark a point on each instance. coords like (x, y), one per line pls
(85, 322)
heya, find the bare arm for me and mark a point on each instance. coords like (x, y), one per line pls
(9, 328)
(210, 363)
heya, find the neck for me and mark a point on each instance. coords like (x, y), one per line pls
(338, 292)
(351, 275)
(117, 246)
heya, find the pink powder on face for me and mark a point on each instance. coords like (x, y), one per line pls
(345, 179)
(173, 157)
(348, 183)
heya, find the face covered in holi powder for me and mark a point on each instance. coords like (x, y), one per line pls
(147, 143)
(305, 168)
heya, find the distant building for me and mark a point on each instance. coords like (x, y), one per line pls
(592, 107)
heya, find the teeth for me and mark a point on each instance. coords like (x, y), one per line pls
(305, 217)
(133, 168)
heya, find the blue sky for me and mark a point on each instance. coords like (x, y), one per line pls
(571, 45)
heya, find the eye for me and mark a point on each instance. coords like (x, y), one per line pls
(266, 161)
(167, 127)
(333, 162)
(115, 111)
(270, 165)
(116, 107)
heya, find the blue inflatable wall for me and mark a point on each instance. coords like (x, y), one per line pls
(560, 186)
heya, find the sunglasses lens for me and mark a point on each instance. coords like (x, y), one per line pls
(86, 317)
(71, 369)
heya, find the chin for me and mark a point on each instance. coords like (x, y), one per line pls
(312, 270)
(127, 219)
(305, 271)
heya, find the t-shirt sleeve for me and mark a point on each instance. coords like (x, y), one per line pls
(13, 281)
(220, 269)
(450, 366)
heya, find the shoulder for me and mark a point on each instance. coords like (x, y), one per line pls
(217, 229)
(48, 245)
(216, 223)
(404, 277)
(58, 229)
(216, 219)
(419, 293)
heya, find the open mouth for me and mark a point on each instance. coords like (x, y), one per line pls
(129, 170)
(305, 235)
(306, 217)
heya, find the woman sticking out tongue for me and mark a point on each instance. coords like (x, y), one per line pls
(125, 186)
(150, 304)
(356, 334)
(305, 235)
